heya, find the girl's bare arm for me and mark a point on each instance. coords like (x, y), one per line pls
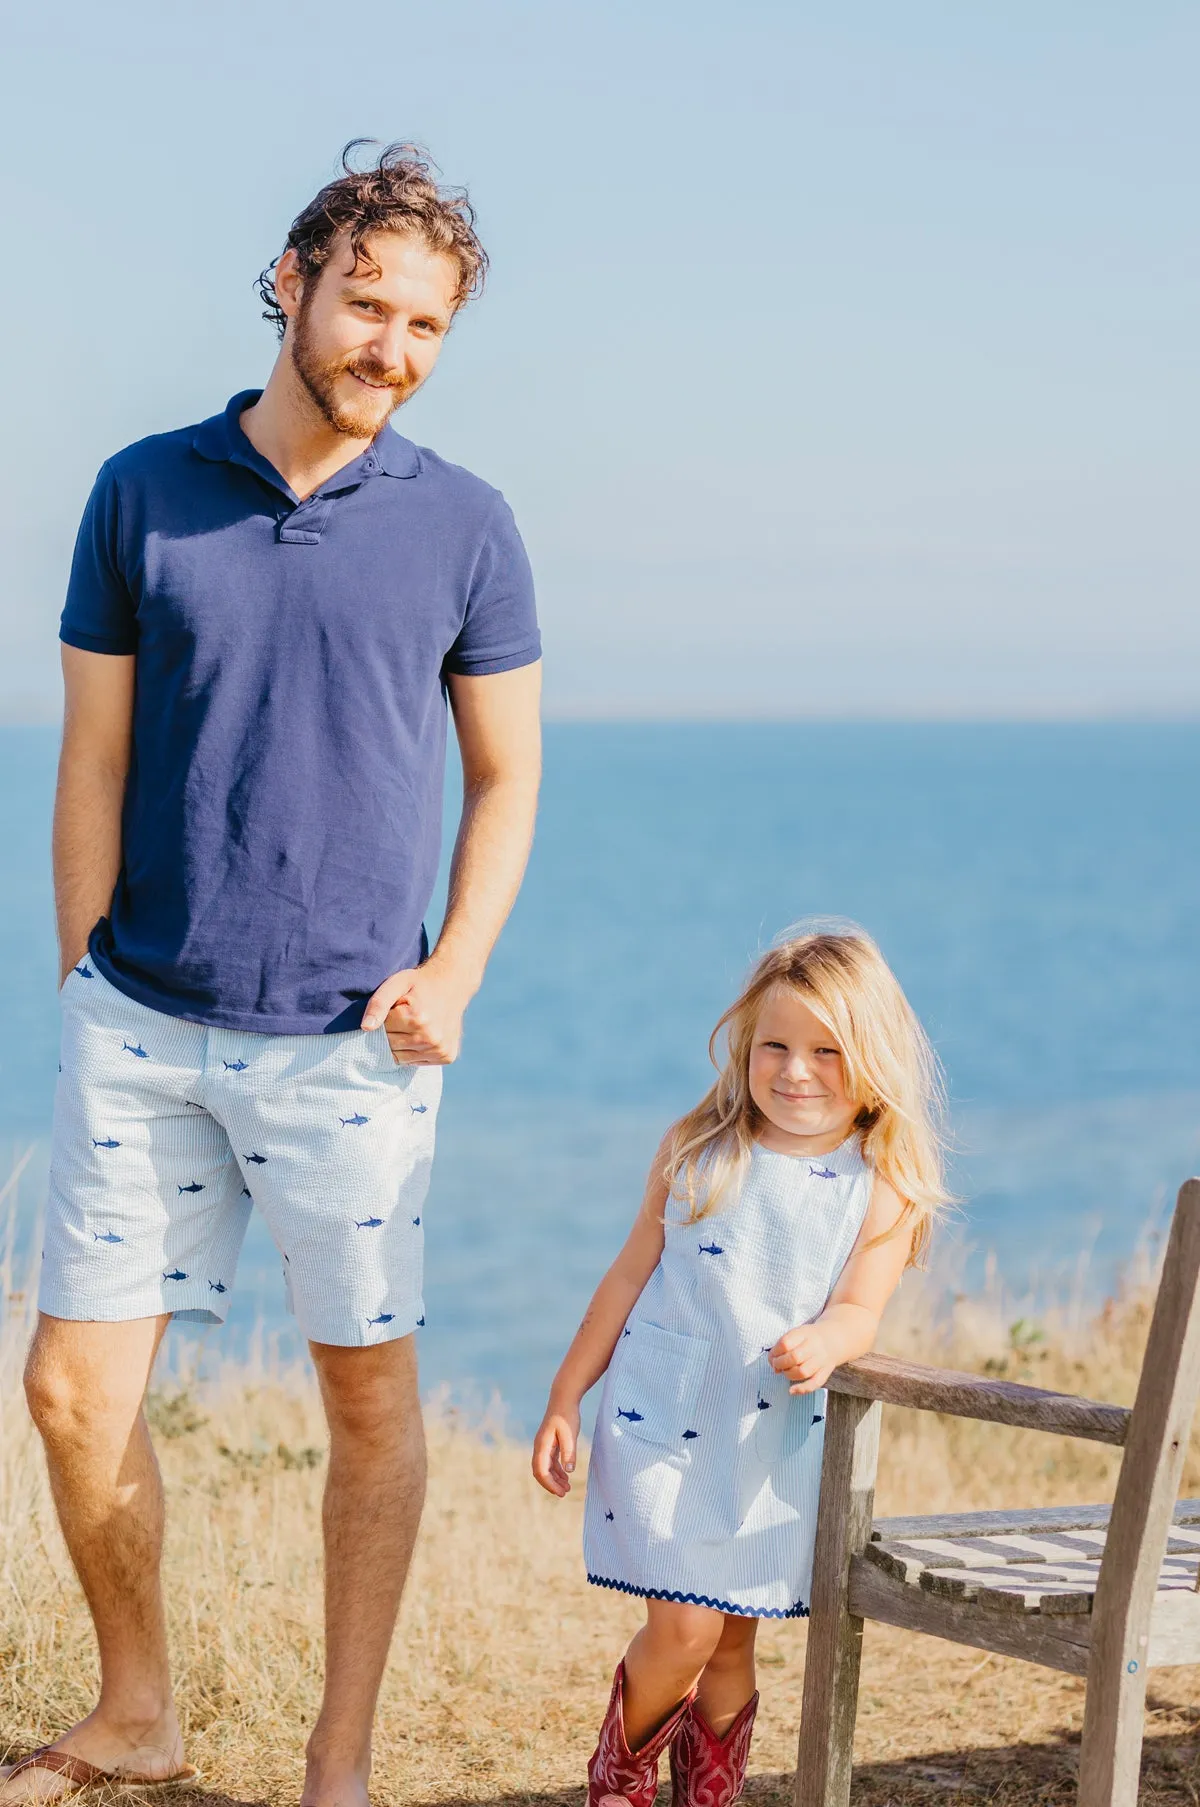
(849, 1323)
(593, 1343)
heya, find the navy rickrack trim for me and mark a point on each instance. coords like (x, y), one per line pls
(799, 1611)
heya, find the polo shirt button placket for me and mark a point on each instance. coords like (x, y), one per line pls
(306, 523)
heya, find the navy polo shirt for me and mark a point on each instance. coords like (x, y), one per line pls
(282, 817)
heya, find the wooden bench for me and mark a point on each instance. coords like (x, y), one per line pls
(1104, 1593)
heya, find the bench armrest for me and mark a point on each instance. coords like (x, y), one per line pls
(904, 1383)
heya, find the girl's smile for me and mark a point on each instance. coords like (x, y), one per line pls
(797, 1080)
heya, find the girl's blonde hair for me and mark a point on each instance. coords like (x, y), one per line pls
(890, 1070)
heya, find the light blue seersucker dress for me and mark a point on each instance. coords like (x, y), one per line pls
(705, 1470)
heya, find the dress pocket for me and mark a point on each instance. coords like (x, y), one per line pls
(656, 1385)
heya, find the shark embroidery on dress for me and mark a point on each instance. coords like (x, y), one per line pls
(106, 1236)
(105, 1142)
(246, 1193)
(688, 1435)
(259, 1160)
(217, 1286)
(416, 1223)
(134, 1048)
(711, 1248)
(608, 1517)
(633, 1417)
(235, 1066)
(764, 1405)
(822, 1173)
(368, 1223)
(385, 1317)
(175, 1274)
(354, 1122)
(194, 1187)
(84, 970)
(418, 1110)
(420, 1323)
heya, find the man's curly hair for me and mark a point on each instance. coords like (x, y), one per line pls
(399, 192)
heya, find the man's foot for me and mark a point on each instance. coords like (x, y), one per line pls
(150, 1749)
(329, 1784)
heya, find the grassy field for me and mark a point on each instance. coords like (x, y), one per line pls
(503, 1655)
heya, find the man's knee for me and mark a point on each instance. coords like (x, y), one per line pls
(81, 1379)
(371, 1395)
(57, 1396)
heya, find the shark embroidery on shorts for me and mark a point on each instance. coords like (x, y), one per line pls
(106, 1142)
(260, 1160)
(235, 1066)
(194, 1187)
(354, 1122)
(633, 1417)
(822, 1173)
(368, 1223)
(106, 1236)
(175, 1274)
(385, 1317)
(84, 970)
(711, 1248)
(134, 1048)
(217, 1286)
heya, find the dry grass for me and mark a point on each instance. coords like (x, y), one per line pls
(503, 1653)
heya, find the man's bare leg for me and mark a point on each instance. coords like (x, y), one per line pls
(373, 1500)
(85, 1384)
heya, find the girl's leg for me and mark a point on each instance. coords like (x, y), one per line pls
(728, 1679)
(711, 1748)
(665, 1661)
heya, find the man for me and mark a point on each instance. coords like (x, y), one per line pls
(265, 615)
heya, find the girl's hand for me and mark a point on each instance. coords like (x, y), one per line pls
(554, 1449)
(807, 1357)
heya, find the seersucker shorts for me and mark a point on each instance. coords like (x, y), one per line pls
(168, 1133)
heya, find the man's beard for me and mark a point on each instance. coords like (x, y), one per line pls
(354, 419)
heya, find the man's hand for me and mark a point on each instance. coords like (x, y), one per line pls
(806, 1356)
(554, 1449)
(423, 1012)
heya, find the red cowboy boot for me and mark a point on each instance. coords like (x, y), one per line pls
(617, 1776)
(707, 1771)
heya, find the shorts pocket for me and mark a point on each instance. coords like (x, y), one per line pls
(656, 1386)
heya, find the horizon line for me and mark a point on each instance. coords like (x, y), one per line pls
(25, 714)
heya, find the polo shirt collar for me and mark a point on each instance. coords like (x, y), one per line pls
(222, 441)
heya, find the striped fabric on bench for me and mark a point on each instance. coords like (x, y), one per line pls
(1019, 1562)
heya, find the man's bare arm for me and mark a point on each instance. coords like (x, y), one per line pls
(92, 769)
(499, 736)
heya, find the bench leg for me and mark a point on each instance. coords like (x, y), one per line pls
(1110, 1758)
(834, 1634)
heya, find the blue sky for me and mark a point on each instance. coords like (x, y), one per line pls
(835, 360)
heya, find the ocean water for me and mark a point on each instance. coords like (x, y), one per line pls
(1036, 887)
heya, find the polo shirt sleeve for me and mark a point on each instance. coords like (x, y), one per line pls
(99, 615)
(500, 630)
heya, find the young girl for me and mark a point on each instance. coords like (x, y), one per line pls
(778, 1218)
